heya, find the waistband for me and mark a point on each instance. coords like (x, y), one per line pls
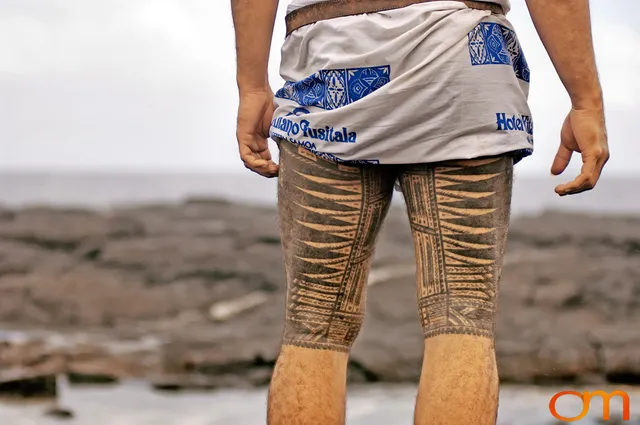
(330, 9)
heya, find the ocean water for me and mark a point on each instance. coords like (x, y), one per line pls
(103, 190)
(135, 404)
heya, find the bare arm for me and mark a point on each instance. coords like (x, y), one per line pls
(564, 27)
(253, 22)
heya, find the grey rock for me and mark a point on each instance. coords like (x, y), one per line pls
(569, 301)
(29, 386)
(60, 413)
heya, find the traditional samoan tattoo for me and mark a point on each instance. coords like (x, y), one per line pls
(330, 215)
(459, 214)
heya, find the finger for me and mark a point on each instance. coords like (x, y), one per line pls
(269, 170)
(274, 169)
(250, 158)
(251, 142)
(258, 165)
(256, 145)
(264, 167)
(602, 161)
(582, 183)
(265, 153)
(598, 160)
(598, 157)
(561, 161)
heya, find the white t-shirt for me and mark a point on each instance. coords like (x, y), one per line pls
(297, 4)
(426, 83)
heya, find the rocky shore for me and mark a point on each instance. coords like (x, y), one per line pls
(191, 295)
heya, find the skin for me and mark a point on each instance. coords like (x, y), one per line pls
(459, 382)
(330, 215)
(565, 30)
(253, 21)
(459, 214)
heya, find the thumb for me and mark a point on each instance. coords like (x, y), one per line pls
(561, 160)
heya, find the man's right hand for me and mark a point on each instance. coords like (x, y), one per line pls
(584, 131)
(254, 120)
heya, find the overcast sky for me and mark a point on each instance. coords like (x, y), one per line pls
(149, 84)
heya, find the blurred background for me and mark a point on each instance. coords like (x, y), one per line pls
(140, 268)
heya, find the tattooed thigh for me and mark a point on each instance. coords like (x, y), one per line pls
(330, 215)
(459, 214)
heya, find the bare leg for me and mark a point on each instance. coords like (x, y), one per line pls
(308, 387)
(459, 213)
(330, 215)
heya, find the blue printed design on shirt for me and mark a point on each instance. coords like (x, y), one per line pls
(495, 44)
(333, 88)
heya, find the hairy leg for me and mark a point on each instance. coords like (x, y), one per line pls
(330, 215)
(459, 214)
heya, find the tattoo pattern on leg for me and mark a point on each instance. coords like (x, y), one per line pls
(459, 214)
(330, 215)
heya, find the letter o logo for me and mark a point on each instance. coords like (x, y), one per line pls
(554, 411)
(295, 129)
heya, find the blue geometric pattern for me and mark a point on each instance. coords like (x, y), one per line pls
(333, 88)
(495, 44)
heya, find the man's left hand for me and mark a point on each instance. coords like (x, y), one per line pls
(584, 131)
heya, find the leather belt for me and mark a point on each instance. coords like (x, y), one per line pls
(330, 9)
